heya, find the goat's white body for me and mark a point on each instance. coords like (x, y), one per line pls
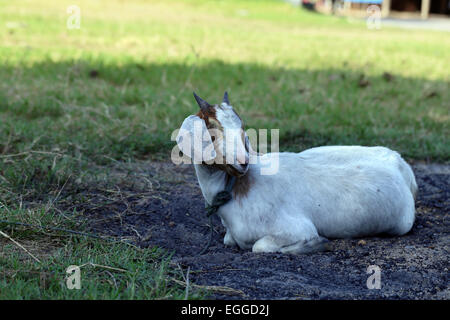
(335, 192)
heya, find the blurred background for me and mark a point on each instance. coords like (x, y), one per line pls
(114, 78)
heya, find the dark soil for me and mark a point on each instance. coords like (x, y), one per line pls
(171, 215)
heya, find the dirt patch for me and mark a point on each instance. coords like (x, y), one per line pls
(162, 206)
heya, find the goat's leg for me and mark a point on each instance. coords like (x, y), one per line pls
(228, 239)
(272, 243)
(299, 236)
(267, 244)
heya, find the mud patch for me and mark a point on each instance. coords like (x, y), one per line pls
(162, 205)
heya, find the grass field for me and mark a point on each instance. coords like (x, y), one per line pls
(75, 101)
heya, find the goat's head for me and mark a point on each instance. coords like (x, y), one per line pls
(216, 136)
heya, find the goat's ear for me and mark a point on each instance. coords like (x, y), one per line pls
(194, 140)
(225, 98)
(201, 103)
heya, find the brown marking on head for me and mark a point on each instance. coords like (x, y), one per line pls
(206, 115)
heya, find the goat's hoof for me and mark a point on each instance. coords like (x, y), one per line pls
(318, 244)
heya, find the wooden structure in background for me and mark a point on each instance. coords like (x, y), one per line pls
(389, 8)
(422, 7)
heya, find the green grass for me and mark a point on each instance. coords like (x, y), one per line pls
(284, 68)
(109, 270)
(117, 272)
(75, 101)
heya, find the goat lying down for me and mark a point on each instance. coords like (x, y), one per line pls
(324, 192)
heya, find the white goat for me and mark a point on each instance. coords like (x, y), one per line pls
(333, 192)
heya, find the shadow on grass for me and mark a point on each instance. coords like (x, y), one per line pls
(129, 110)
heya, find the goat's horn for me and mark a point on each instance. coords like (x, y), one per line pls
(225, 98)
(202, 103)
